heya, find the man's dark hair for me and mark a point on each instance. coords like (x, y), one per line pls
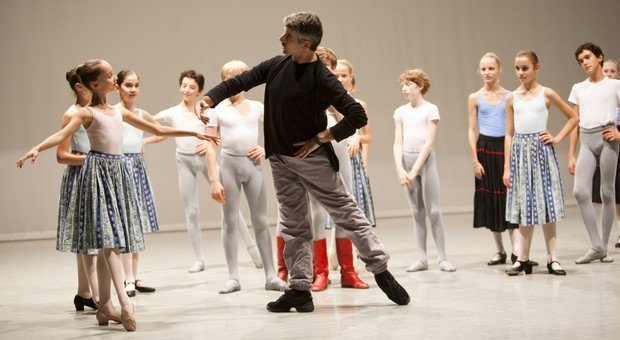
(594, 48)
(308, 27)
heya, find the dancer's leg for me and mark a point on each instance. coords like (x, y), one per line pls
(90, 269)
(418, 210)
(229, 175)
(188, 187)
(525, 234)
(608, 164)
(83, 289)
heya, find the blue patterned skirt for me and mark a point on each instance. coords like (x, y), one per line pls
(535, 196)
(360, 188)
(148, 214)
(108, 208)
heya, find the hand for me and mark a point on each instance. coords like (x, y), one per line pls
(204, 136)
(506, 178)
(478, 170)
(412, 174)
(548, 138)
(354, 145)
(403, 178)
(201, 148)
(571, 165)
(611, 134)
(306, 148)
(33, 153)
(217, 192)
(256, 153)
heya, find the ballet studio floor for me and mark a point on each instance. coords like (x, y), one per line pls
(475, 302)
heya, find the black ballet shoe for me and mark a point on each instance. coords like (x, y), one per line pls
(618, 242)
(502, 260)
(79, 303)
(301, 300)
(523, 266)
(553, 271)
(533, 263)
(144, 289)
(514, 258)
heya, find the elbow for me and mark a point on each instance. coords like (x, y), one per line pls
(61, 158)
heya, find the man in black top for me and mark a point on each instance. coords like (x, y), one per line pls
(298, 91)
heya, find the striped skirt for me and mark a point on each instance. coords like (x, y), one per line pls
(360, 188)
(535, 196)
(490, 194)
(108, 208)
(144, 190)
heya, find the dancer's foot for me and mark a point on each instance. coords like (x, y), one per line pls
(301, 300)
(497, 258)
(419, 265)
(255, 255)
(196, 267)
(276, 284)
(79, 303)
(392, 288)
(230, 286)
(607, 259)
(130, 289)
(555, 268)
(618, 243)
(520, 266)
(128, 317)
(446, 266)
(142, 288)
(106, 314)
(590, 256)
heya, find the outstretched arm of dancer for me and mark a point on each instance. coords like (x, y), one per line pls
(160, 130)
(403, 180)
(83, 116)
(572, 146)
(63, 156)
(217, 189)
(159, 119)
(472, 134)
(429, 143)
(573, 119)
(510, 131)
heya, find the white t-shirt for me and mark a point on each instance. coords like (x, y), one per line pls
(415, 121)
(598, 102)
(238, 133)
(178, 118)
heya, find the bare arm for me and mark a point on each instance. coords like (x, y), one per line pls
(429, 142)
(570, 114)
(63, 156)
(572, 146)
(217, 189)
(160, 130)
(472, 134)
(158, 119)
(401, 173)
(363, 139)
(510, 131)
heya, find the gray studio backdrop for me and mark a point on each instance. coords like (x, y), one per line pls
(41, 39)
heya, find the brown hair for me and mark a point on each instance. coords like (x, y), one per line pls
(594, 48)
(327, 56)
(191, 74)
(89, 72)
(530, 55)
(120, 77)
(73, 78)
(233, 67)
(417, 76)
(348, 64)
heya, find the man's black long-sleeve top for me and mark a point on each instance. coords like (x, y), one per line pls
(296, 97)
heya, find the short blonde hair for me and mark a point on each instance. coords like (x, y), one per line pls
(327, 56)
(493, 56)
(348, 64)
(613, 62)
(233, 67)
(417, 76)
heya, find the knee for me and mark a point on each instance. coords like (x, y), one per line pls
(582, 194)
(434, 215)
(607, 195)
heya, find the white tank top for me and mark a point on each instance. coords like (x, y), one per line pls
(132, 137)
(105, 133)
(79, 140)
(530, 116)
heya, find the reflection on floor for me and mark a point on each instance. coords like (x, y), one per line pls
(477, 301)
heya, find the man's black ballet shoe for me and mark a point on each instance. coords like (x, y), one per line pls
(525, 266)
(392, 288)
(301, 300)
(501, 260)
(514, 258)
(79, 303)
(144, 289)
(550, 269)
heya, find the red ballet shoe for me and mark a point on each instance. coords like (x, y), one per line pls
(282, 271)
(348, 276)
(319, 264)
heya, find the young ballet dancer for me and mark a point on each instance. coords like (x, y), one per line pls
(610, 70)
(88, 291)
(414, 138)
(192, 162)
(128, 86)
(236, 120)
(596, 101)
(531, 170)
(299, 88)
(487, 127)
(107, 214)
